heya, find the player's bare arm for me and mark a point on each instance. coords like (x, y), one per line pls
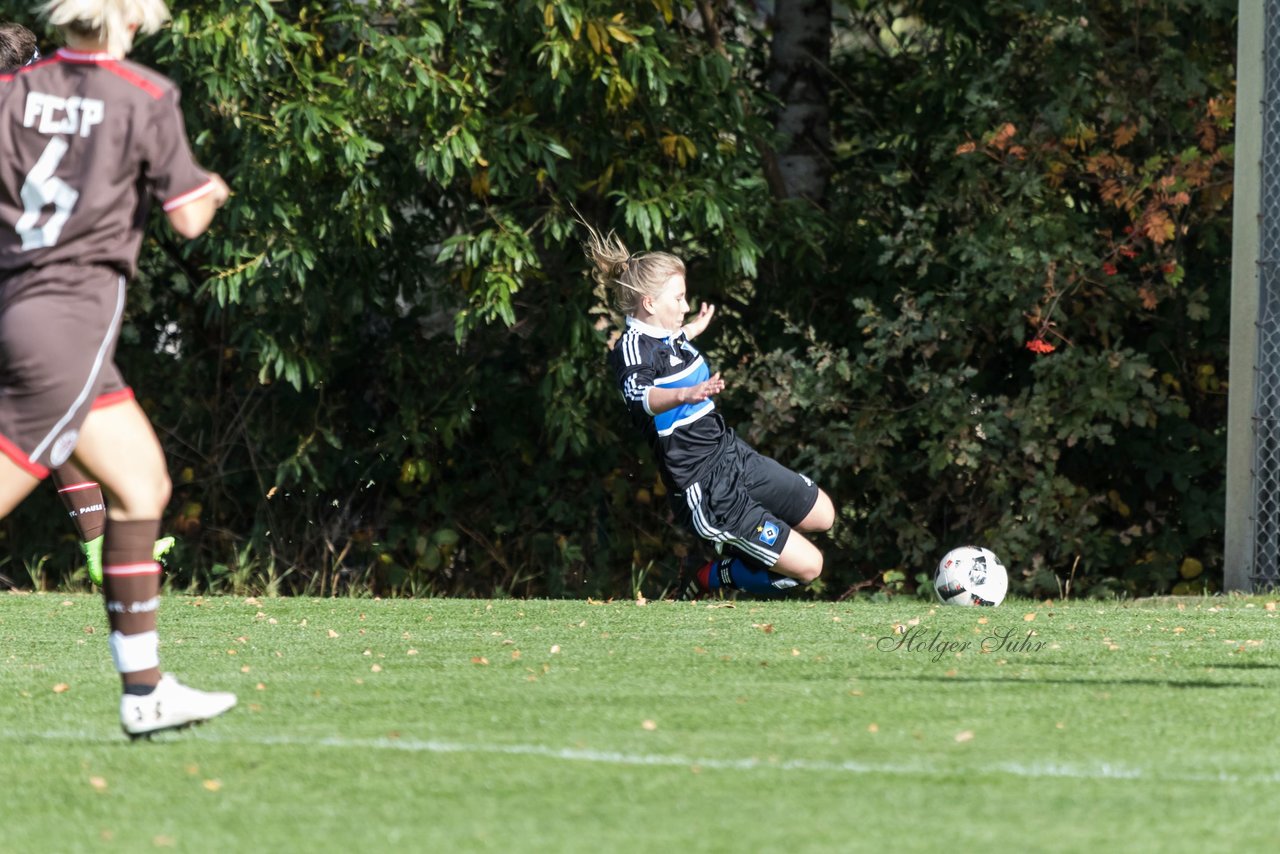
(193, 218)
(665, 399)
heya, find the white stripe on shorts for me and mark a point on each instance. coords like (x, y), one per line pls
(701, 524)
(90, 381)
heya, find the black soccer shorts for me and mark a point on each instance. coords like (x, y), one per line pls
(746, 503)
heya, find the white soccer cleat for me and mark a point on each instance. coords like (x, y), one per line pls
(171, 705)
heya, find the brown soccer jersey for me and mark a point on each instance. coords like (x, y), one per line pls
(84, 140)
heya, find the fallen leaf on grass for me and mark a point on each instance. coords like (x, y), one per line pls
(1029, 617)
(767, 628)
(873, 727)
(479, 659)
(334, 634)
(964, 735)
(555, 650)
(61, 687)
(98, 783)
(377, 668)
(212, 785)
(649, 725)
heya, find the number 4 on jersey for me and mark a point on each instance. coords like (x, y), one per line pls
(40, 190)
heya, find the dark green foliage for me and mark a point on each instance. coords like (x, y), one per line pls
(383, 369)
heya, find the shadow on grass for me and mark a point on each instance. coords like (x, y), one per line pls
(1014, 680)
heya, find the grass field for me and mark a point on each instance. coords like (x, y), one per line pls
(463, 725)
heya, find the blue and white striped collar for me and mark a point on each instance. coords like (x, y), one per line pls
(651, 330)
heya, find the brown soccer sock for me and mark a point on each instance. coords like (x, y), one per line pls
(83, 500)
(131, 588)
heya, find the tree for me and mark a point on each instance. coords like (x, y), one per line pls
(384, 371)
(800, 57)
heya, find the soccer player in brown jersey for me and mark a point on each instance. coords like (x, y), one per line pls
(89, 138)
(81, 496)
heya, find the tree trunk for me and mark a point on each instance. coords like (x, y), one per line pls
(801, 54)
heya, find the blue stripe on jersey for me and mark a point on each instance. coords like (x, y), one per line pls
(696, 372)
(668, 421)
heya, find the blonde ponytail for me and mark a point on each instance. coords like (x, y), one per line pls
(628, 278)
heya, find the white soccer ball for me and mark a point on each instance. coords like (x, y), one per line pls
(971, 575)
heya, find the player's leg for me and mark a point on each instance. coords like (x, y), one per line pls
(16, 484)
(83, 500)
(773, 552)
(761, 554)
(821, 517)
(119, 448)
(800, 559)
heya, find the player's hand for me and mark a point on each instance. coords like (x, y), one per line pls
(703, 390)
(699, 324)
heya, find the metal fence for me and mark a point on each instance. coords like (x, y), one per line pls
(1265, 571)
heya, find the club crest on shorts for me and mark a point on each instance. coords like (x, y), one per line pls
(768, 533)
(63, 446)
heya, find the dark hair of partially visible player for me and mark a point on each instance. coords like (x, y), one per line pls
(17, 47)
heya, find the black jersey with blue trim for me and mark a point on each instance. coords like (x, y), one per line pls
(684, 439)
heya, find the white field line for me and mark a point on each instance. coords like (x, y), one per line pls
(1035, 770)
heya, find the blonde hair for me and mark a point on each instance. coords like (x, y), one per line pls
(629, 278)
(108, 20)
